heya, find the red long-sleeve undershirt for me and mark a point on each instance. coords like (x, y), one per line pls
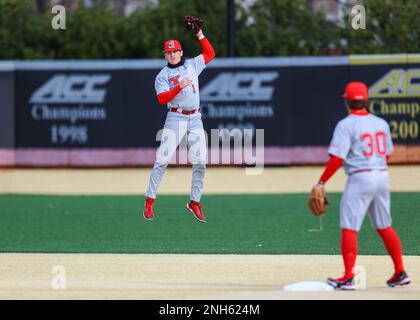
(207, 49)
(208, 55)
(333, 164)
(166, 96)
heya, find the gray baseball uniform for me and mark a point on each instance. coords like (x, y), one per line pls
(178, 124)
(364, 142)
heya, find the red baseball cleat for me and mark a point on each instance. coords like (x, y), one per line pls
(342, 283)
(399, 279)
(148, 212)
(195, 209)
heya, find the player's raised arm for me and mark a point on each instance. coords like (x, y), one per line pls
(207, 48)
(195, 25)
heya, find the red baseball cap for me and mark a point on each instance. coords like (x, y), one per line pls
(356, 91)
(171, 45)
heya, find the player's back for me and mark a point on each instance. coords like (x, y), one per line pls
(367, 140)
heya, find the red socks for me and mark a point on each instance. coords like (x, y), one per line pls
(349, 251)
(150, 199)
(393, 245)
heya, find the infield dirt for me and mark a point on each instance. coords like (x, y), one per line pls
(151, 276)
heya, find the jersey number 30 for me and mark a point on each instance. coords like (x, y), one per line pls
(376, 143)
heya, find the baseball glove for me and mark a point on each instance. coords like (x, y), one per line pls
(318, 200)
(193, 24)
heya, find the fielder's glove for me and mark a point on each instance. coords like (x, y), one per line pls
(193, 24)
(318, 200)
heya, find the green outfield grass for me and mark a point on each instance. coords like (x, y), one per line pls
(243, 224)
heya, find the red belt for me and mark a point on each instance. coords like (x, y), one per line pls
(367, 170)
(184, 111)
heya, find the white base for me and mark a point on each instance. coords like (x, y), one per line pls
(308, 286)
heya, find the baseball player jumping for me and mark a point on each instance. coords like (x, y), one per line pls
(362, 142)
(177, 87)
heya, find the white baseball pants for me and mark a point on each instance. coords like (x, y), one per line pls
(177, 125)
(366, 192)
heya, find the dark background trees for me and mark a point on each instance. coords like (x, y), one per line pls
(263, 28)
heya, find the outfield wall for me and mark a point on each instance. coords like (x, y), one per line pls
(105, 113)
